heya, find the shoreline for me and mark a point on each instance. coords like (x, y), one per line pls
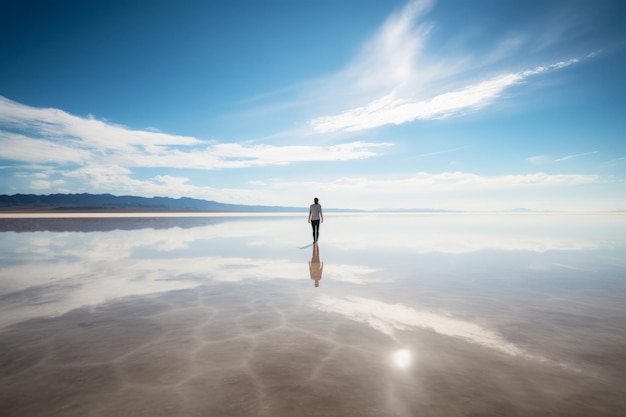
(70, 215)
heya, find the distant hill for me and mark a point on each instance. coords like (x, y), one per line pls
(109, 203)
(103, 203)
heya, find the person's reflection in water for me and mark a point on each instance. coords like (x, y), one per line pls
(315, 266)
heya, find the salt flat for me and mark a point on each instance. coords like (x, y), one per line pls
(430, 315)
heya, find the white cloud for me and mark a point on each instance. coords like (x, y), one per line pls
(84, 132)
(396, 79)
(392, 109)
(421, 189)
(40, 185)
(117, 179)
(18, 147)
(53, 136)
(446, 190)
(237, 155)
(389, 58)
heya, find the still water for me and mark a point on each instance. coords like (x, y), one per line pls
(389, 315)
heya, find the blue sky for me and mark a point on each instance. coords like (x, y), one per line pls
(470, 105)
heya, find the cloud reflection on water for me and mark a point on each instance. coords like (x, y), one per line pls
(387, 318)
(459, 234)
(50, 274)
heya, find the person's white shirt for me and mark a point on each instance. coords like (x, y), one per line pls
(315, 209)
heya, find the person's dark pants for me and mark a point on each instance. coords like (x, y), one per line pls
(315, 224)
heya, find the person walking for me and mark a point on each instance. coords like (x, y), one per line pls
(315, 217)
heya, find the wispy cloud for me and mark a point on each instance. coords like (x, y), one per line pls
(540, 159)
(35, 135)
(565, 158)
(440, 152)
(397, 79)
(390, 57)
(394, 109)
(82, 132)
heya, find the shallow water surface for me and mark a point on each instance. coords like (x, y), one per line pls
(389, 315)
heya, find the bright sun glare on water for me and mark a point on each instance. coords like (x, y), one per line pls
(402, 358)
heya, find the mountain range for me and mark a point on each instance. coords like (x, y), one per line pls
(111, 203)
(103, 203)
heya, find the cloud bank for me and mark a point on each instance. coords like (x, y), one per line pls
(450, 181)
(35, 135)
